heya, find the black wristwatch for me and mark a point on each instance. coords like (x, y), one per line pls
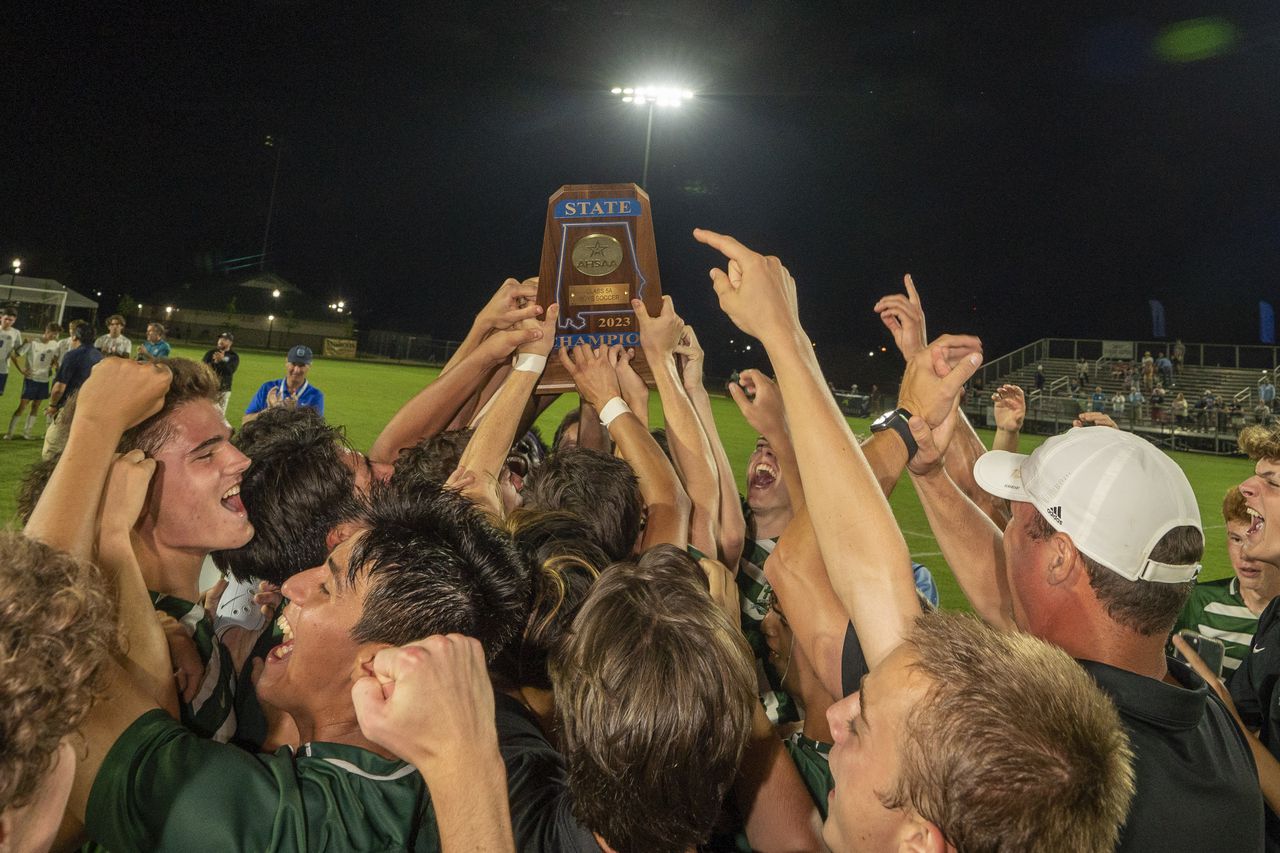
(896, 420)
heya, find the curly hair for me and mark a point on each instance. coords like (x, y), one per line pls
(57, 630)
(1260, 442)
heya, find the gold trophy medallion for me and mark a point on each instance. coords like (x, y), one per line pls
(597, 254)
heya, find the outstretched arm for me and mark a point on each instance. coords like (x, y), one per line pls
(486, 453)
(1011, 409)
(434, 407)
(733, 527)
(690, 448)
(594, 372)
(857, 535)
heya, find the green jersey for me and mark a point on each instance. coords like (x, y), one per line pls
(811, 760)
(212, 713)
(1216, 609)
(753, 589)
(163, 788)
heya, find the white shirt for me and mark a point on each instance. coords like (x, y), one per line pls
(114, 346)
(39, 356)
(10, 342)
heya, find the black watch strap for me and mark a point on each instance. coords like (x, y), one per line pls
(897, 420)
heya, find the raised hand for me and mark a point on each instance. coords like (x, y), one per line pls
(402, 681)
(691, 358)
(594, 372)
(1011, 407)
(510, 305)
(126, 492)
(935, 377)
(546, 328)
(903, 316)
(658, 335)
(633, 388)
(121, 393)
(756, 291)
(760, 402)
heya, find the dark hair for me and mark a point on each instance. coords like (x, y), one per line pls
(434, 565)
(430, 462)
(600, 488)
(52, 327)
(157, 326)
(570, 418)
(81, 331)
(654, 693)
(296, 489)
(562, 566)
(1147, 607)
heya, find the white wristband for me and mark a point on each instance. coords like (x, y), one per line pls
(612, 409)
(530, 362)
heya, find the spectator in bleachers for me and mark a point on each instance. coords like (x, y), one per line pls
(1136, 401)
(1179, 353)
(1164, 366)
(1235, 412)
(1098, 402)
(1075, 389)
(1082, 370)
(1267, 391)
(1117, 405)
(1181, 410)
(1039, 377)
(1157, 402)
(1148, 371)
(1205, 409)
(1262, 414)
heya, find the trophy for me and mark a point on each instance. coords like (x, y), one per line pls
(598, 254)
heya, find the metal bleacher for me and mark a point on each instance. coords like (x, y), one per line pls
(1231, 372)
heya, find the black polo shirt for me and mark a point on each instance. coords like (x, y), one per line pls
(1196, 782)
(1253, 689)
(538, 785)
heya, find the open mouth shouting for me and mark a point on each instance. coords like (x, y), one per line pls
(281, 652)
(762, 476)
(231, 500)
(1257, 523)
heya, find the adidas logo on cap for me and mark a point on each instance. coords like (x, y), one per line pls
(1055, 512)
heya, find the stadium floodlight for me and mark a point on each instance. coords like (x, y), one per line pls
(17, 265)
(276, 293)
(168, 309)
(651, 96)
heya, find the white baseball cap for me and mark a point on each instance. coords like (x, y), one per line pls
(1112, 492)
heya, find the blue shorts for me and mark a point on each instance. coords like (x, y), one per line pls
(34, 389)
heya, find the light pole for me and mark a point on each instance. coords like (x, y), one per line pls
(271, 321)
(270, 142)
(650, 97)
(13, 280)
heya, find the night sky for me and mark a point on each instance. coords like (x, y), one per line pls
(1042, 170)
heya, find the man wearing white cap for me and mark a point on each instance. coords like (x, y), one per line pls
(1098, 559)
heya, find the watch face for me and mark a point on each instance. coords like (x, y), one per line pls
(882, 421)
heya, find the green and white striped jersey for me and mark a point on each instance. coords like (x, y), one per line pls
(752, 588)
(1216, 609)
(212, 712)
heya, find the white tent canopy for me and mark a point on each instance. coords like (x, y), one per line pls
(42, 291)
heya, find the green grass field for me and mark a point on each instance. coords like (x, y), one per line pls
(364, 396)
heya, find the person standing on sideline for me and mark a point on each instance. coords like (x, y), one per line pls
(41, 356)
(73, 371)
(294, 386)
(10, 342)
(155, 346)
(114, 342)
(224, 363)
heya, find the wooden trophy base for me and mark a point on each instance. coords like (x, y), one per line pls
(598, 254)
